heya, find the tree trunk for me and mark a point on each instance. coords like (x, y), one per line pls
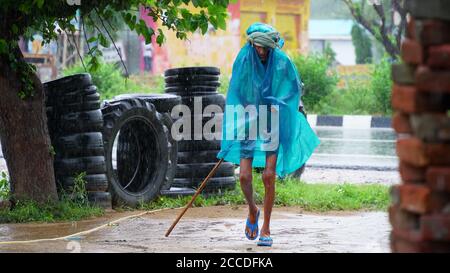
(25, 139)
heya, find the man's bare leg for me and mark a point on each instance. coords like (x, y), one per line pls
(245, 179)
(268, 177)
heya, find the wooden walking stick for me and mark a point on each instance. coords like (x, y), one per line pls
(199, 190)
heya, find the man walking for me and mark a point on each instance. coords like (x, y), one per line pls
(267, 84)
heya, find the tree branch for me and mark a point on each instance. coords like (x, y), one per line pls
(382, 35)
(112, 40)
(359, 18)
(76, 48)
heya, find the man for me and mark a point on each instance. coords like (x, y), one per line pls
(267, 84)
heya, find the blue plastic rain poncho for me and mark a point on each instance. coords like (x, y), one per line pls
(276, 86)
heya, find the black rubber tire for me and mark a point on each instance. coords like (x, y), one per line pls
(198, 157)
(67, 84)
(193, 93)
(198, 145)
(191, 90)
(214, 84)
(94, 182)
(213, 184)
(298, 173)
(78, 107)
(203, 169)
(100, 199)
(195, 79)
(75, 166)
(203, 70)
(204, 121)
(81, 99)
(82, 144)
(88, 93)
(90, 121)
(127, 142)
(153, 141)
(216, 99)
(173, 153)
(162, 102)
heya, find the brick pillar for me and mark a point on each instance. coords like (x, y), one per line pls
(420, 209)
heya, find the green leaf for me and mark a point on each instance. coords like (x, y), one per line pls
(39, 3)
(103, 41)
(3, 46)
(160, 38)
(204, 26)
(15, 29)
(92, 40)
(148, 33)
(221, 22)
(213, 21)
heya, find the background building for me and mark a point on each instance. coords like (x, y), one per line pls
(219, 48)
(336, 33)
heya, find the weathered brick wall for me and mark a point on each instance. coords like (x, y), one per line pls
(420, 210)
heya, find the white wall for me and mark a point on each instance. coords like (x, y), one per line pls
(345, 51)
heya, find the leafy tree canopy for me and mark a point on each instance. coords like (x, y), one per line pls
(50, 17)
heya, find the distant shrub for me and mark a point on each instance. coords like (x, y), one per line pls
(318, 79)
(381, 85)
(109, 80)
(356, 99)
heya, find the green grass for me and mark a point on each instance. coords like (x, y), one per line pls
(64, 210)
(292, 192)
(72, 206)
(289, 192)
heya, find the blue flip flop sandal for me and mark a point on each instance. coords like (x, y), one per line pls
(252, 227)
(265, 241)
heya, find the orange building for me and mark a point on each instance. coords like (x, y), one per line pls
(220, 47)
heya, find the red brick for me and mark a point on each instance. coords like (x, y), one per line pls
(403, 74)
(419, 154)
(433, 128)
(407, 99)
(428, 80)
(438, 153)
(438, 178)
(400, 123)
(411, 29)
(405, 224)
(432, 32)
(412, 52)
(412, 151)
(411, 174)
(432, 9)
(412, 198)
(419, 199)
(439, 57)
(403, 220)
(435, 227)
(419, 229)
(400, 245)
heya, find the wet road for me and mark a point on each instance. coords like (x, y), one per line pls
(213, 229)
(369, 149)
(359, 156)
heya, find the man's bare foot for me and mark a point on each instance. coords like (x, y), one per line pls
(252, 234)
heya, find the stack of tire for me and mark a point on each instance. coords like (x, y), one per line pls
(75, 125)
(197, 156)
(141, 155)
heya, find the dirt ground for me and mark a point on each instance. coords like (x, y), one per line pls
(212, 229)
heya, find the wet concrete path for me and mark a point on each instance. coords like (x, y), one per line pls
(212, 229)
